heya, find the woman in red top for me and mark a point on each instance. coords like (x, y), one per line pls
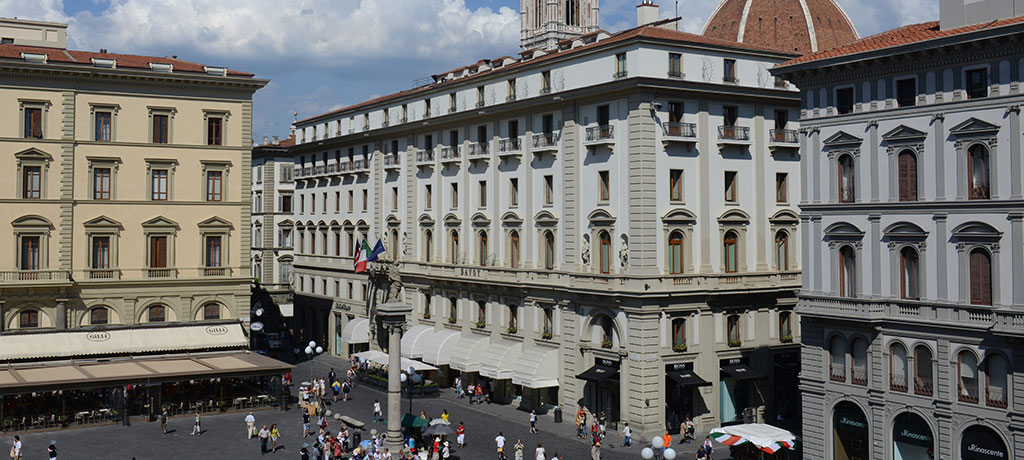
(461, 433)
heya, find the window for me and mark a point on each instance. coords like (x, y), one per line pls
(977, 83)
(549, 322)
(482, 238)
(847, 272)
(844, 100)
(967, 377)
(351, 200)
(922, 371)
(337, 202)
(978, 172)
(781, 120)
(549, 189)
(98, 316)
(909, 274)
(675, 179)
(859, 352)
(604, 192)
(733, 329)
(214, 185)
(211, 311)
(513, 192)
(730, 70)
(453, 309)
(605, 324)
(481, 311)
(513, 319)
(34, 122)
(906, 92)
(454, 245)
(100, 252)
(512, 89)
(675, 65)
(394, 198)
(545, 82)
(30, 253)
(325, 201)
(32, 182)
(995, 381)
(907, 164)
(981, 277)
(620, 65)
(785, 326)
(405, 116)
(549, 250)
(730, 115)
(427, 196)
(101, 184)
(679, 334)
(451, 102)
(781, 186)
(605, 256)
(366, 199)
(846, 179)
(157, 314)
(455, 195)
(479, 96)
(730, 186)
(213, 251)
(675, 252)
(837, 359)
(286, 204)
(158, 252)
(103, 126)
(337, 243)
(214, 131)
(426, 108)
(675, 115)
(782, 250)
(729, 252)
(572, 12)
(28, 318)
(160, 129)
(428, 245)
(483, 193)
(897, 368)
(513, 245)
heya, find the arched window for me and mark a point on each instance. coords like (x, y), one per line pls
(606, 331)
(995, 381)
(28, 318)
(782, 250)
(605, 252)
(549, 250)
(907, 166)
(211, 311)
(453, 310)
(156, 314)
(981, 277)
(733, 330)
(394, 244)
(859, 355)
(483, 247)
(897, 367)
(967, 377)
(98, 316)
(846, 179)
(837, 359)
(454, 244)
(847, 272)
(428, 245)
(679, 334)
(675, 252)
(513, 245)
(923, 371)
(977, 172)
(729, 252)
(909, 274)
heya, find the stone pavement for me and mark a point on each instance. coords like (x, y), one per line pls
(224, 434)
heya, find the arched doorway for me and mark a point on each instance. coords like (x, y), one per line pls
(850, 435)
(912, 438)
(982, 443)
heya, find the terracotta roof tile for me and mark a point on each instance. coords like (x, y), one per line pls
(129, 61)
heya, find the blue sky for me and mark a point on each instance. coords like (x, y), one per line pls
(325, 54)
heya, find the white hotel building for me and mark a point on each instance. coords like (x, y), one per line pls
(611, 222)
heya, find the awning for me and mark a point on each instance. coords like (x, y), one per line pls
(379, 357)
(356, 331)
(497, 359)
(122, 341)
(599, 373)
(413, 340)
(765, 437)
(742, 372)
(437, 348)
(287, 310)
(466, 353)
(92, 373)
(687, 378)
(536, 367)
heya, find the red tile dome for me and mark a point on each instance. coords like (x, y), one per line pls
(800, 26)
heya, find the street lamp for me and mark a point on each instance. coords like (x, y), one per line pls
(312, 350)
(412, 378)
(658, 450)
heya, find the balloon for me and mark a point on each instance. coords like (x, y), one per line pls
(404, 378)
(657, 442)
(312, 344)
(669, 453)
(309, 351)
(319, 350)
(647, 453)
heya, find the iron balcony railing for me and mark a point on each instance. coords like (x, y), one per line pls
(678, 129)
(734, 133)
(425, 156)
(478, 149)
(600, 133)
(512, 144)
(544, 140)
(784, 136)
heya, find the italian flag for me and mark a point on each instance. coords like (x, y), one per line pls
(361, 255)
(770, 446)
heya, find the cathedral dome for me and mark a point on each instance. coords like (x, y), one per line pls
(799, 26)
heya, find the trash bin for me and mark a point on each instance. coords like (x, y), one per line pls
(357, 437)
(558, 414)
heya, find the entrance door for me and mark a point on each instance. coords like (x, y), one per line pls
(338, 326)
(680, 405)
(849, 433)
(911, 438)
(608, 401)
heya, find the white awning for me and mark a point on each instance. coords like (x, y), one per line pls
(287, 310)
(497, 359)
(467, 353)
(119, 341)
(437, 348)
(413, 340)
(382, 358)
(356, 331)
(536, 367)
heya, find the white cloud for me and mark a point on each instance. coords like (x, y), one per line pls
(39, 10)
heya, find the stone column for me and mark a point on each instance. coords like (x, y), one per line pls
(392, 321)
(62, 314)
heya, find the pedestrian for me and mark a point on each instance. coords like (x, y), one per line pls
(581, 423)
(458, 387)
(667, 438)
(627, 436)
(250, 426)
(707, 445)
(461, 435)
(540, 454)
(164, 416)
(274, 434)
(701, 455)
(16, 448)
(470, 393)
(518, 449)
(533, 421)
(500, 442)
(264, 437)
(304, 452)
(377, 413)
(305, 424)
(196, 428)
(345, 388)
(331, 375)
(335, 388)
(595, 449)
(688, 431)
(446, 451)
(479, 394)
(602, 420)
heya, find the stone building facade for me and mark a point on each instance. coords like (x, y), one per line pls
(272, 227)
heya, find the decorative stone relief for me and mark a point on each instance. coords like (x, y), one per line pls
(707, 71)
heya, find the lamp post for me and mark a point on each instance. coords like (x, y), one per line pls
(658, 450)
(312, 350)
(413, 379)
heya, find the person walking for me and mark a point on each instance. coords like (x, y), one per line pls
(274, 434)
(540, 454)
(196, 428)
(479, 394)
(581, 423)
(164, 417)
(16, 448)
(250, 426)
(305, 424)
(627, 436)
(595, 449)
(331, 375)
(602, 420)
(52, 450)
(444, 415)
(708, 446)
(378, 416)
(264, 437)
(667, 438)
(345, 389)
(460, 433)
(335, 388)
(517, 449)
(533, 421)
(458, 387)
(500, 442)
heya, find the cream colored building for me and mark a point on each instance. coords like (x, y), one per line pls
(127, 185)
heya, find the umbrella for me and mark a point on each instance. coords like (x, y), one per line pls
(411, 421)
(439, 430)
(439, 421)
(365, 444)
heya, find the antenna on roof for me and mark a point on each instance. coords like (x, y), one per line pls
(677, 15)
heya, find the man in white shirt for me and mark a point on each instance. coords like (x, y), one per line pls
(17, 448)
(250, 425)
(500, 442)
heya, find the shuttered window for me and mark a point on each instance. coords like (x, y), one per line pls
(981, 277)
(907, 176)
(158, 252)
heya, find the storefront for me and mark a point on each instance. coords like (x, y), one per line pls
(912, 438)
(849, 432)
(536, 375)
(356, 334)
(437, 350)
(785, 404)
(496, 369)
(601, 392)
(682, 395)
(982, 443)
(738, 378)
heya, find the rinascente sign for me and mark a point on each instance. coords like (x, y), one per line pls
(982, 443)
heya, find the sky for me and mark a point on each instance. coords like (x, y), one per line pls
(321, 55)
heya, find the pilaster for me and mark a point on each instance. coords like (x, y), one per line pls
(940, 257)
(876, 252)
(570, 166)
(704, 217)
(1017, 257)
(244, 193)
(759, 218)
(939, 156)
(642, 381)
(67, 180)
(570, 389)
(642, 187)
(873, 163)
(410, 226)
(1013, 114)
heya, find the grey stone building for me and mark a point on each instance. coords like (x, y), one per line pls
(912, 305)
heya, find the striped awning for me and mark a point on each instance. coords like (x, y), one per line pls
(414, 339)
(498, 358)
(468, 351)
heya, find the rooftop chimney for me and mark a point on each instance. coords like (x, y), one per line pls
(958, 13)
(264, 140)
(276, 141)
(646, 13)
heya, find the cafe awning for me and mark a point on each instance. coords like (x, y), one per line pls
(356, 331)
(413, 340)
(765, 437)
(379, 357)
(687, 378)
(497, 359)
(437, 348)
(466, 353)
(742, 372)
(536, 367)
(599, 373)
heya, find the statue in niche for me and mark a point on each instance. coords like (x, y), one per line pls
(624, 252)
(585, 255)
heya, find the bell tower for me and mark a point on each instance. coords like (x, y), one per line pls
(547, 22)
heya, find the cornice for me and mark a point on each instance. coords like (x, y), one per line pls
(78, 74)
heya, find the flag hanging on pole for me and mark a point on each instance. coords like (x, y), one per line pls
(361, 254)
(378, 249)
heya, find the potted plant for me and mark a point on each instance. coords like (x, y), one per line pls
(786, 338)
(222, 405)
(679, 348)
(735, 342)
(426, 314)
(606, 343)
(480, 324)
(63, 419)
(546, 335)
(512, 329)
(451, 320)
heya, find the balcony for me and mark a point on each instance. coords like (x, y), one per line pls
(303, 173)
(783, 139)
(600, 135)
(360, 166)
(995, 397)
(161, 272)
(512, 146)
(479, 151)
(923, 386)
(898, 383)
(968, 394)
(425, 158)
(992, 320)
(449, 154)
(979, 192)
(103, 274)
(216, 271)
(34, 276)
(837, 373)
(685, 133)
(733, 135)
(545, 143)
(859, 376)
(392, 162)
